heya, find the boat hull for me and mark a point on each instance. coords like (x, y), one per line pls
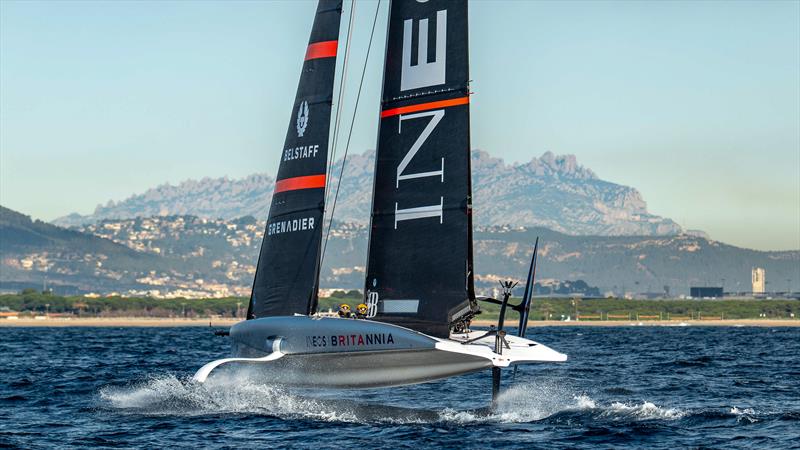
(346, 353)
(358, 369)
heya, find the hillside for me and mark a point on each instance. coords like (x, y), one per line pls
(36, 252)
(193, 256)
(206, 257)
(550, 191)
(634, 264)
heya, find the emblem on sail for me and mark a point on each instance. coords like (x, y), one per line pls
(372, 304)
(302, 118)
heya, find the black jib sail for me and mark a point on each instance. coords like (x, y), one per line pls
(286, 275)
(419, 272)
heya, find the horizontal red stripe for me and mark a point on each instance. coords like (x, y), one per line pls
(293, 184)
(425, 106)
(324, 49)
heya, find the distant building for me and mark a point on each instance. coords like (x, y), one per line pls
(759, 280)
(650, 295)
(705, 292)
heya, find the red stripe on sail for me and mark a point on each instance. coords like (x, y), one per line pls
(425, 106)
(324, 49)
(296, 183)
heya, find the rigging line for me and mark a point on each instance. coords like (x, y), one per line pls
(350, 132)
(340, 95)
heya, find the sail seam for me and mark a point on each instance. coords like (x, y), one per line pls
(425, 94)
(425, 106)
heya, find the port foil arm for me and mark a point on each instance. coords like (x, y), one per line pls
(201, 375)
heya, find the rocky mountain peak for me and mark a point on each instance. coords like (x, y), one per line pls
(553, 165)
(552, 191)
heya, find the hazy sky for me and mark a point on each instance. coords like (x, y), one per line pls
(696, 104)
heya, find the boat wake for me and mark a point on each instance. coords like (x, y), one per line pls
(168, 395)
(545, 400)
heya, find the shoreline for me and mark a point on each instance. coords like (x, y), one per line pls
(658, 323)
(225, 322)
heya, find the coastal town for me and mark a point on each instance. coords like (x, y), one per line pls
(193, 257)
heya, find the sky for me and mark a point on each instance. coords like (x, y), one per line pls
(695, 104)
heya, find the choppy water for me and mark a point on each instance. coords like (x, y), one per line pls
(655, 387)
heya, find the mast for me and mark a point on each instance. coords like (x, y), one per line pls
(286, 274)
(419, 268)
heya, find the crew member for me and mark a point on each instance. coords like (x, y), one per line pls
(344, 311)
(361, 311)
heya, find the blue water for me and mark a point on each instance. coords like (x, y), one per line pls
(655, 387)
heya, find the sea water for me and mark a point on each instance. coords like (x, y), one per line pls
(649, 387)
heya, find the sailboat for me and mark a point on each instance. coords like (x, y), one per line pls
(419, 285)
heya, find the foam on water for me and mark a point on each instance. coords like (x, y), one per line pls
(544, 398)
(536, 400)
(643, 411)
(738, 412)
(170, 395)
(237, 394)
(746, 414)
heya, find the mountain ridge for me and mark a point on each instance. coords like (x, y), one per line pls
(551, 191)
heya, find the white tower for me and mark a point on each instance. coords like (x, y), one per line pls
(759, 280)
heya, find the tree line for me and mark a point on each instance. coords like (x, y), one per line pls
(34, 302)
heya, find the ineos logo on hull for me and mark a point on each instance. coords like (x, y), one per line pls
(302, 118)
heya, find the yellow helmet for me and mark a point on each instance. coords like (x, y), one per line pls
(361, 308)
(344, 307)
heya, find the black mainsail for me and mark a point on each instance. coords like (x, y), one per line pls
(419, 271)
(286, 278)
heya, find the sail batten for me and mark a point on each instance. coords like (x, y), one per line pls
(286, 275)
(419, 271)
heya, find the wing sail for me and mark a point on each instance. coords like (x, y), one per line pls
(419, 271)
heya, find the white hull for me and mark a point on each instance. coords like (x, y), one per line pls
(410, 358)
